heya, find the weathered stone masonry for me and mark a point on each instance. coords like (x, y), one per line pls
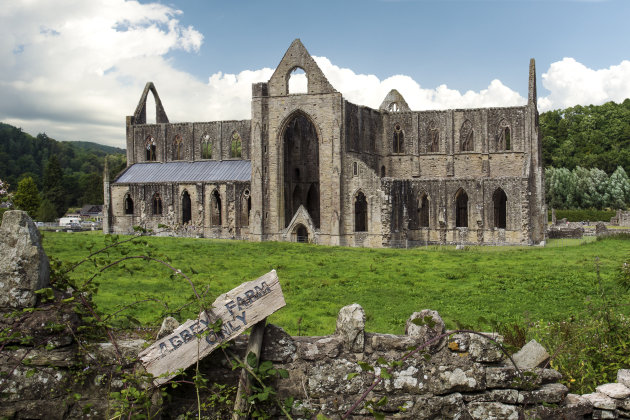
(324, 170)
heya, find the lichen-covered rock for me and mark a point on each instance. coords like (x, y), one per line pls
(532, 355)
(623, 377)
(576, 406)
(279, 345)
(507, 396)
(446, 379)
(351, 327)
(427, 330)
(617, 391)
(169, 324)
(482, 349)
(329, 377)
(549, 393)
(325, 347)
(433, 407)
(492, 411)
(24, 266)
(601, 401)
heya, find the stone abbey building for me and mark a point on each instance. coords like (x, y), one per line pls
(315, 167)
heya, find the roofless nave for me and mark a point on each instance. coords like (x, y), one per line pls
(313, 166)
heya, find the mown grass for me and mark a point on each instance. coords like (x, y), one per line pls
(475, 286)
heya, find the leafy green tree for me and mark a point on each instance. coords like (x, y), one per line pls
(27, 196)
(53, 185)
(619, 189)
(47, 211)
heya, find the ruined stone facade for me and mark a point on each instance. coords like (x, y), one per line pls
(331, 172)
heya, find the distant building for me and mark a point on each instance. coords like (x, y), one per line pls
(92, 211)
(314, 167)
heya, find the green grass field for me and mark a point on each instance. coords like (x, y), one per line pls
(473, 286)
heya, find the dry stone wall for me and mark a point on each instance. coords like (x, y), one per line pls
(45, 373)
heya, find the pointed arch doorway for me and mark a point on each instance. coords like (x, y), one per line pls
(301, 167)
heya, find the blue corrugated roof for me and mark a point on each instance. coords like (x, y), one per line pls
(201, 171)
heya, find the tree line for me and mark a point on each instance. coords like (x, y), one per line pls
(586, 153)
(46, 176)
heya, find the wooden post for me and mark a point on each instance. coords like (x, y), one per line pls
(254, 345)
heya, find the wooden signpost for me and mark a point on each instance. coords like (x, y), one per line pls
(239, 309)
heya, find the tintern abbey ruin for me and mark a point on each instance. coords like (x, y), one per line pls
(314, 167)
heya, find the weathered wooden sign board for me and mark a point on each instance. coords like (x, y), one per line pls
(239, 309)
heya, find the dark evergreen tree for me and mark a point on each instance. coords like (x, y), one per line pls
(53, 186)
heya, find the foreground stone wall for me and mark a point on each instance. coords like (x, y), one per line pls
(47, 373)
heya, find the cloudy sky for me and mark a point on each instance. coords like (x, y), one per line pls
(75, 68)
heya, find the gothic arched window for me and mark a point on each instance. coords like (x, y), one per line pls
(466, 137)
(434, 137)
(206, 147)
(499, 199)
(178, 147)
(157, 204)
(360, 213)
(128, 204)
(150, 148)
(461, 209)
(235, 145)
(399, 139)
(504, 137)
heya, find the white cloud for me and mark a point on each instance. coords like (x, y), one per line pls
(76, 68)
(571, 83)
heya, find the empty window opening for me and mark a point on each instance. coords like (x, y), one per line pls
(393, 107)
(301, 234)
(150, 109)
(360, 213)
(298, 81)
(297, 198)
(157, 204)
(461, 209)
(128, 204)
(296, 174)
(399, 138)
(383, 171)
(423, 211)
(178, 147)
(500, 208)
(355, 169)
(215, 209)
(186, 208)
(150, 149)
(504, 138)
(206, 147)
(246, 207)
(466, 137)
(236, 145)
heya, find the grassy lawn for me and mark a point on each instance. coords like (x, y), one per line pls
(473, 286)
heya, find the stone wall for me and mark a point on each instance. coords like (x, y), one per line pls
(46, 373)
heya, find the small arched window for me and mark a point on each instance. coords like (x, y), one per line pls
(206, 146)
(399, 139)
(461, 209)
(393, 107)
(434, 137)
(504, 137)
(215, 209)
(423, 211)
(499, 200)
(383, 171)
(186, 208)
(235, 145)
(157, 204)
(360, 213)
(150, 149)
(466, 137)
(178, 147)
(128, 204)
